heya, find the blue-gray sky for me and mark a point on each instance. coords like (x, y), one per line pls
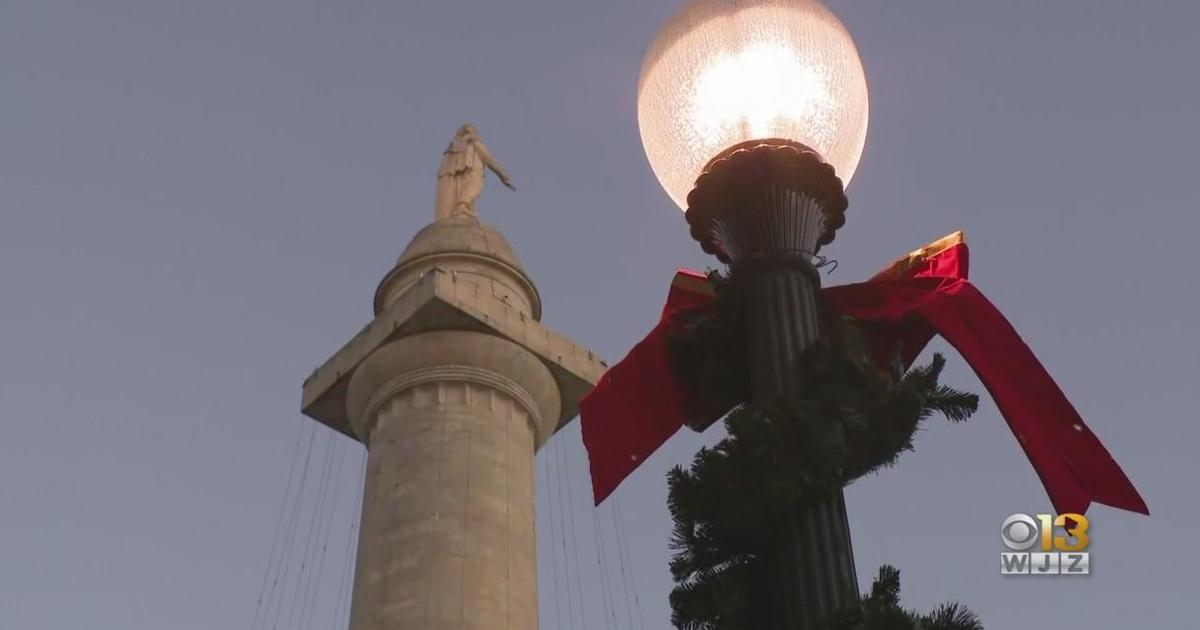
(198, 198)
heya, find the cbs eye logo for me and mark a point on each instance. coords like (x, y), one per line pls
(1036, 548)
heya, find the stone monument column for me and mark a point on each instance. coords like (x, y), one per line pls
(451, 421)
(452, 388)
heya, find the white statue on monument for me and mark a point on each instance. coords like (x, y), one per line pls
(460, 176)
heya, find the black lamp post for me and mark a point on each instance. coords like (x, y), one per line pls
(764, 207)
(749, 110)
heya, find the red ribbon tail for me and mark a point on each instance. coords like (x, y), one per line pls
(1074, 466)
(1070, 460)
(639, 403)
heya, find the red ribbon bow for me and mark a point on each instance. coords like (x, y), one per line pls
(640, 402)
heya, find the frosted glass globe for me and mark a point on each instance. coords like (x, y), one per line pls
(723, 72)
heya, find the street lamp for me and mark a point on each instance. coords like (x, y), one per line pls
(753, 114)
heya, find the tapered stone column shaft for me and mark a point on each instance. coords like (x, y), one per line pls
(452, 420)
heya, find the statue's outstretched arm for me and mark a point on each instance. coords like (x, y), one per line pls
(491, 163)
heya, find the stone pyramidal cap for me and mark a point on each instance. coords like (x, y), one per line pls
(462, 233)
(456, 274)
(463, 245)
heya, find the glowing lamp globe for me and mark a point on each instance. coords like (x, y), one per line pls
(725, 72)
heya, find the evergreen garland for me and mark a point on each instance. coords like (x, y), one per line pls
(880, 610)
(844, 418)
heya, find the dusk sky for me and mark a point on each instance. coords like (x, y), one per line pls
(197, 200)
